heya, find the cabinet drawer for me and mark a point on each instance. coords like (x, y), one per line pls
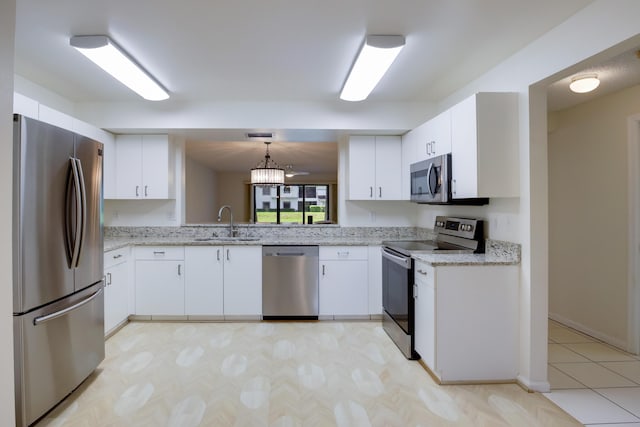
(115, 257)
(344, 252)
(160, 252)
(424, 274)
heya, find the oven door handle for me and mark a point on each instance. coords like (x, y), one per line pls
(400, 260)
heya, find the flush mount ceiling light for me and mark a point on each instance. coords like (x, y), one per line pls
(374, 59)
(584, 83)
(115, 61)
(267, 172)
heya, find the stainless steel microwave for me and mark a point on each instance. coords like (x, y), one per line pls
(431, 180)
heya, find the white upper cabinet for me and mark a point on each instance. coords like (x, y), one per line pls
(430, 139)
(374, 167)
(438, 136)
(484, 146)
(144, 167)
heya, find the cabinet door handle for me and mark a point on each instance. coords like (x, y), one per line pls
(117, 256)
(415, 291)
(422, 272)
(453, 186)
(380, 192)
(137, 191)
(343, 254)
(371, 192)
(433, 147)
(218, 255)
(179, 269)
(109, 280)
(323, 269)
(428, 148)
(228, 255)
(158, 252)
(145, 191)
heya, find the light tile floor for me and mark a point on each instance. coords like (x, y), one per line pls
(594, 382)
(282, 374)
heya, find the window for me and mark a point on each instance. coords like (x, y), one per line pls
(293, 204)
(266, 190)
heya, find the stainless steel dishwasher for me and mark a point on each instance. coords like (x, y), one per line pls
(289, 282)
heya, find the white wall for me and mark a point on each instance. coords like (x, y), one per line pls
(200, 192)
(588, 215)
(7, 26)
(233, 190)
(501, 217)
(588, 33)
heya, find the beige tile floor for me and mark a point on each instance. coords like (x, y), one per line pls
(596, 383)
(282, 374)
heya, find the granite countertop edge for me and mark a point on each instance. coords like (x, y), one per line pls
(498, 253)
(438, 260)
(118, 243)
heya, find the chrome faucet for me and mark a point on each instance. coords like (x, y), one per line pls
(231, 232)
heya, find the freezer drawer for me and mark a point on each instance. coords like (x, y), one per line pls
(56, 347)
(289, 282)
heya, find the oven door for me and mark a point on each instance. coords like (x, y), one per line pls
(397, 288)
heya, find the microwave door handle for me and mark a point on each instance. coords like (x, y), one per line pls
(429, 189)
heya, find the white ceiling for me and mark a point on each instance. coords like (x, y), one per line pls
(618, 73)
(276, 50)
(258, 50)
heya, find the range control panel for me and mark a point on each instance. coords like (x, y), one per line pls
(468, 228)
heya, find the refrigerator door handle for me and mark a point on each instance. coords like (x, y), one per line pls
(83, 209)
(41, 319)
(73, 229)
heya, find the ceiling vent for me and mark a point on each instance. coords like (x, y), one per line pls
(261, 135)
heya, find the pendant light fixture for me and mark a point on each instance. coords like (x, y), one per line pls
(267, 172)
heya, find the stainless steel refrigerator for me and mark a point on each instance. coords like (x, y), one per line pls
(58, 305)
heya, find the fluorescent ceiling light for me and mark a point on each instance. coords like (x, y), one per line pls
(111, 58)
(376, 56)
(584, 84)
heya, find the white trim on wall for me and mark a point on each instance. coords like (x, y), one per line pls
(633, 340)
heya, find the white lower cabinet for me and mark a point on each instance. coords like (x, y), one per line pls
(375, 280)
(466, 321)
(204, 280)
(344, 285)
(242, 280)
(116, 288)
(160, 281)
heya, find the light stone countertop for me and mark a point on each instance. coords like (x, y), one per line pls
(438, 260)
(497, 252)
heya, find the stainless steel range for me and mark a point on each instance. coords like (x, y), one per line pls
(454, 235)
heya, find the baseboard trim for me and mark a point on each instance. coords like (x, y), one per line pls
(616, 342)
(533, 386)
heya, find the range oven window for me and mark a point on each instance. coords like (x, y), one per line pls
(397, 293)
